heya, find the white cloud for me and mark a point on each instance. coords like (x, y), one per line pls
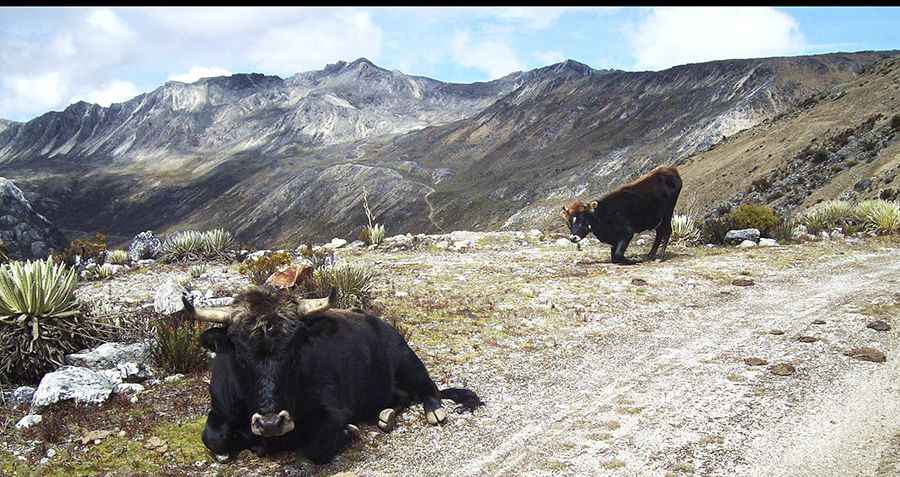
(40, 92)
(678, 35)
(540, 18)
(109, 23)
(197, 72)
(493, 56)
(311, 43)
(549, 57)
(115, 91)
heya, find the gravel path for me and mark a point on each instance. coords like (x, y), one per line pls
(650, 380)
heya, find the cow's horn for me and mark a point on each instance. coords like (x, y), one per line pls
(315, 305)
(213, 315)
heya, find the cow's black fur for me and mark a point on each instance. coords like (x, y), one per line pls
(327, 370)
(647, 203)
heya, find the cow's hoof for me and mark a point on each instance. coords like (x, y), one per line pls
(222, 458)
(387, 420)
(438, 416)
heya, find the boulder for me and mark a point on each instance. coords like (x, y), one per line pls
(144, 246)
(23, 395)
(168, 298)
(336, 243)
(767, 242)
(84, 385)
(747, 244)
(109, 356)
(742, 235)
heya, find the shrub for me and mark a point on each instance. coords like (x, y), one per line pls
(827, 216)
(895, 121)
(819, 156)
(39, 319)
(318, 259)
(879, 216)
(354, 284)
(98, 272)
(751, 216)
(785, 231)
(87, 249)
(197, 270)
(260, 269)
(177, 347)
(761, 184)
(684, 230)
(714, 230)
(117, 257)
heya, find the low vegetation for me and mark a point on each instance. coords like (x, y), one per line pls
(259, 270)
(177, 348)
(81, 251)
(753, 216)
(194, 245)
(39, 319)
(876, 216)
(684, 230)
(372, 234)
(117, 257)
(353, 284)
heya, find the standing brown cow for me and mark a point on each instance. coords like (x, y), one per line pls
(644, 204)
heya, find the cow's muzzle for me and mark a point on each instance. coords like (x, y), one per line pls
(574, 238)
(271, 425)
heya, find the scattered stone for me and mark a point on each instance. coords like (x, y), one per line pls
(83, 385)
(128, 388)
(563, 242)
(742, 235)
(866, 354)
(23, 395)
(807, 339)
(878, 325)
(336, 243)
(747, 244)
(818, 322)
(756, 361)
(743, 282)
(168, 298)
(783, 369)
(95, 436)
(28, 421)
(776, 332)
(535, 235)
(639, 282)
(174, 378)
(767, 242)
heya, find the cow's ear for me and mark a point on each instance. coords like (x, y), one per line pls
(564, 213)
(216, 340)
(593, 205)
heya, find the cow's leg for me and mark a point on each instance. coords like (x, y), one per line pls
(328, 436)
(413, 378)
(664, 230)
(656, 242)
(387, 418)
(618, 251)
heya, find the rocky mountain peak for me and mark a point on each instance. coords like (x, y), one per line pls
(24, 232)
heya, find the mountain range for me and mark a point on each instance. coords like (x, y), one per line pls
(281, 161)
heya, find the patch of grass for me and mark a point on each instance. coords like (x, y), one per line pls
(613, 464)
(177, 348)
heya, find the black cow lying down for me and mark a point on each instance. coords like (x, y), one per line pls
(293, 375)
(644, 204)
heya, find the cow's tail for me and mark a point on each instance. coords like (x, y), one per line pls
(466, 399)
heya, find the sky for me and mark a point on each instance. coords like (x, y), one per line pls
(51, 57)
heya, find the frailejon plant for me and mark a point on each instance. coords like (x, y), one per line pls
(353, 283)
(684, 230)
(186, 244)
(879, 216)
(374, 233)
(39, 319)
(117, 257)
(217, 242)
(827, 215)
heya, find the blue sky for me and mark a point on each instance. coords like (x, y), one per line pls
(51, 57)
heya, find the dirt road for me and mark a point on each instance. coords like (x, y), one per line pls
(588, 373)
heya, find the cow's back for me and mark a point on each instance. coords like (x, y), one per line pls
(352, 356)
(645, 202)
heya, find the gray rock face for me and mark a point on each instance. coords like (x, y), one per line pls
(25, 233)
(23, 395)
(739, 236)
(144, 246)
(83, 385)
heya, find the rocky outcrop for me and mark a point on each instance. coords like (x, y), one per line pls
(24, 232)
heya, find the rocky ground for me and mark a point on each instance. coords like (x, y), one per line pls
(586, 367)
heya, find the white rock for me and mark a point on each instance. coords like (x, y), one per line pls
(168, 298)
(747, 244)
(463, 245)
(357, 244)
(824, 235)
(563, 242)
(767, 242)
(29, 420)
(173, 378)
(109, 355)
(23, 395)
(70, 382)
(128, 388)
(535, 235)
(336, 243)
(739, 236)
